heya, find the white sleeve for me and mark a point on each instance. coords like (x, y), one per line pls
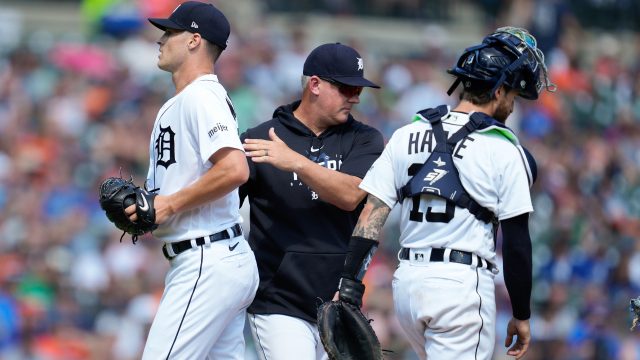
(212, 125)
(380, 179)
(514, 197)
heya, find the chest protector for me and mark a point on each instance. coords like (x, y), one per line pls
(438, 176)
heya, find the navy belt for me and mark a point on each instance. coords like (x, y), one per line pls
(181, 246)
(456, 256)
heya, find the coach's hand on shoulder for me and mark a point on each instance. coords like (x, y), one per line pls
(274, 152)
(519, 328)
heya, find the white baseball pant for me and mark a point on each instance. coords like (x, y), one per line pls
(203, 308)
(447, 310)
(282, 337)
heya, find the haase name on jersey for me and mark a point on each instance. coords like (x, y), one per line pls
(428, 143)
(416, 146)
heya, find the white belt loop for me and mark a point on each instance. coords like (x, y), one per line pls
(169, 249)
(474, 261)
(229, 231)
(194, 245)
(398, 255)
(207, 241)
(447, 253)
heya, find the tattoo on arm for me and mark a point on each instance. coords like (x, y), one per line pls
(372, 218)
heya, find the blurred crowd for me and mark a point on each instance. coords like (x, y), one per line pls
(75, 112)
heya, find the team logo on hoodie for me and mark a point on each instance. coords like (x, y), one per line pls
(323, 160)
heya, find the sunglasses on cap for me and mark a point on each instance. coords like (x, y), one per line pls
(346, 90)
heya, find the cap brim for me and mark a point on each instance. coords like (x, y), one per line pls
(355, 81)
(164, 24)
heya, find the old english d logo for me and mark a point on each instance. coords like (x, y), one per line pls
(165, 147)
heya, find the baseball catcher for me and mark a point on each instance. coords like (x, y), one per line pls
(116, 194)
(447, 237)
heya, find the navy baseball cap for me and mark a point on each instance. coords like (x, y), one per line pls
(337, 62)
(198, 17)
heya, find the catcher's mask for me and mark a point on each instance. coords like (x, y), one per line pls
(508, 56)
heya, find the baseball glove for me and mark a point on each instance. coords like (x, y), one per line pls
(346, 333)
(116, 194)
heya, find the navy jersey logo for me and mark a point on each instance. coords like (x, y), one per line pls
(165, 147)
(323, 160)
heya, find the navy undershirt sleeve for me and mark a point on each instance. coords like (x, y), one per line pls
(516, 251)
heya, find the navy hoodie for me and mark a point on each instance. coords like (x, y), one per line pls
(300, 241)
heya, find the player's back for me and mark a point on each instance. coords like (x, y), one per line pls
(491, 171)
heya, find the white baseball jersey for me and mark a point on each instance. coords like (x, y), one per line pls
(207, 288)
(492, 171)
(189, 128)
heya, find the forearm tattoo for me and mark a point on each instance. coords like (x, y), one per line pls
(372, 219)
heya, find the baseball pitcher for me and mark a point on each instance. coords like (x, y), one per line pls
(196, 165)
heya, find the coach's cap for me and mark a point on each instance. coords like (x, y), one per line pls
(198, 17)
(337, 62)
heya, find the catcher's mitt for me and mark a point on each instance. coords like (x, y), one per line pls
(346, 333)
(116, 194)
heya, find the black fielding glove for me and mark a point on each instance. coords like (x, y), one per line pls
(345, 332)
(116, 194)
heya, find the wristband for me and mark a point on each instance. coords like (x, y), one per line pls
(359, 257)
